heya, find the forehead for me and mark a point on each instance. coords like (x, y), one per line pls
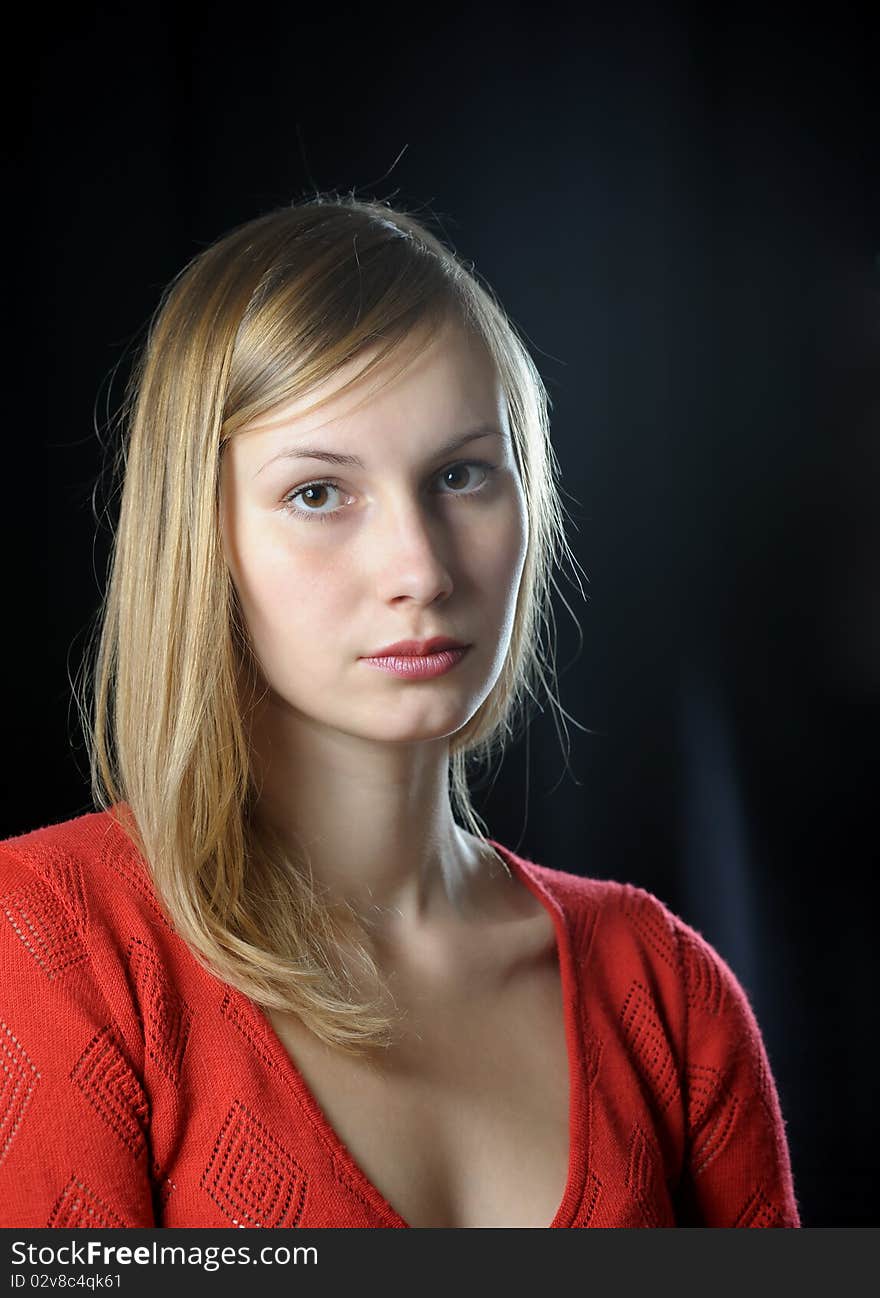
(415, 386)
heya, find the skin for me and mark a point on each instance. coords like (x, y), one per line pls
(353, 761)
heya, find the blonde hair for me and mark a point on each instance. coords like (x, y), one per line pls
(260, 317)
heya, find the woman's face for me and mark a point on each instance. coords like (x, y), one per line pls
(334, 561)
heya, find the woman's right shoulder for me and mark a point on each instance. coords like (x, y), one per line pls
(87, 832)
(72, 1036)
(83, 939)
(86, 864)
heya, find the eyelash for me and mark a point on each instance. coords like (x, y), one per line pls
(325, 482)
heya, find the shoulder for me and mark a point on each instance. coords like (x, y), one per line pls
(638, 937)
(89, 956)
(607, 908)
(87, 866)
(89, 835)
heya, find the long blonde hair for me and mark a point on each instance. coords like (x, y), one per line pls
(259, 318)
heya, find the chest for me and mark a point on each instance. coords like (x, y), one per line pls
(465, 1121)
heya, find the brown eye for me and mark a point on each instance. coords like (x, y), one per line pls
(314, 497)
(458, 472)
(461, 472)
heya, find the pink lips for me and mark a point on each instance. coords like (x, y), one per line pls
(418, 666)
(403, 648)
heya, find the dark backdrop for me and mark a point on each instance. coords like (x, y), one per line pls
(680, 211)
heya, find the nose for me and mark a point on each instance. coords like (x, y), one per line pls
(412, 547)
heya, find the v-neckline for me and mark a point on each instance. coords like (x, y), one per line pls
(354, 1175)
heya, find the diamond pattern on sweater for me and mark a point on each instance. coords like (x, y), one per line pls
(760, 1211)
(648, 1041)
(709, 1142)
(703, 1085)
(702, 977)
(251, 1176)
(120, 855)
(18, 1078)
(63, 873)
(648, 921)
(165, 1017)
(45, 927)
(78, 1207)
(107, 1081)
(231, 1010)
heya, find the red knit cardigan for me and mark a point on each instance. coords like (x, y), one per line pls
(140, 1090)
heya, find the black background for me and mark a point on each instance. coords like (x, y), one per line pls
(679, 208)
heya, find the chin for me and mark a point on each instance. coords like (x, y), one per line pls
(425, 731)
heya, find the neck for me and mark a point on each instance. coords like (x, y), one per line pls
(373, 820)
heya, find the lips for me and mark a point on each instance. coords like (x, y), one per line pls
(416, 648)
(418, 667)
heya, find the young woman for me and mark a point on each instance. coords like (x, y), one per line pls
(280, 977)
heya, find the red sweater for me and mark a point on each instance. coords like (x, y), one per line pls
(139, 1090)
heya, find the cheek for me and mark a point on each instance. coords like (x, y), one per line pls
(497, 553)
(284, 586)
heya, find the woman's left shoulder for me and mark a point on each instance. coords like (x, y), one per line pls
(627, 919)
(622, 911)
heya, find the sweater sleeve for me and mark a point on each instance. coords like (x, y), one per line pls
(737, 1168)
(74, 1117)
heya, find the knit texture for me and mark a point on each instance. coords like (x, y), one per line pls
(137, 1089)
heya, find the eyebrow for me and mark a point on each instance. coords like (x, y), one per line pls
(335, 457)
